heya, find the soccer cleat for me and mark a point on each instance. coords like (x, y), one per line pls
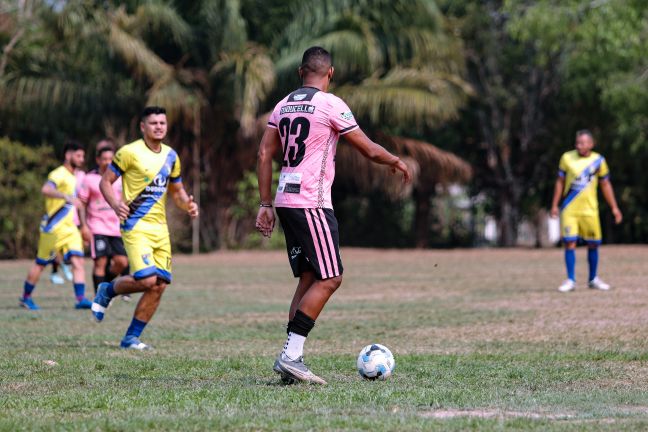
(567, 285)
(28, 303)
(132, 342)
(57, 279)
(598, 284)
(126, 298)
(84, 303)
(295, 370)
(67, 271)
(101, 301)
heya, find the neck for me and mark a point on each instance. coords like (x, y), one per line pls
(154, 145)
(68, 166)
(320, 84)
(101, 170)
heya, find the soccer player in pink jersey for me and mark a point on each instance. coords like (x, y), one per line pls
(306, 125)
(99, 223)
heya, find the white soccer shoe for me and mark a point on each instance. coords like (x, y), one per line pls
(598, 284)
(567, 285)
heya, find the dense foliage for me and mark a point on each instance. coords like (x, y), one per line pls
(501, 84)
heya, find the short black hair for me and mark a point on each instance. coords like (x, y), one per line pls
(584, 132)
(317, 60)
(103, 150)
(72, 145)
(149, 110)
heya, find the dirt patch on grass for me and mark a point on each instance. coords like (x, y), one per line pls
(492, 413)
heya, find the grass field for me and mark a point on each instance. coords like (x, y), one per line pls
(482, 340)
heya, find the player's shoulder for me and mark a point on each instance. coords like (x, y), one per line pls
(597, 155)
(58, 172)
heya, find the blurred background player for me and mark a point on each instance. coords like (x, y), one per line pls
(148, 168)
(309, 122)
(99, 223)
(579, 174)
(57, 230)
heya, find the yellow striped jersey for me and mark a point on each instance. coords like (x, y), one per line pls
(58, 213)
(581, 176)
(145, 178)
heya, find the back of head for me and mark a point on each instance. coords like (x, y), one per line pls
(316, 60)
(106, 143)
(150, 110)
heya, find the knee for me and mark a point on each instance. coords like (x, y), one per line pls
(159, 287)
(332, 284)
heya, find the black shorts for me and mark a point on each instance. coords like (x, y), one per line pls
(312, 241)
(106, 246)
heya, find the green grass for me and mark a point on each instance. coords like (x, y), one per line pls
(481, 338)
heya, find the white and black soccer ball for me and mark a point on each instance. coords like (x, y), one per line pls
(375, 362)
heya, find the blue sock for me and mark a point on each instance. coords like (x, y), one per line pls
(592, 259)
(79, 290)
(135, 329)
(28, 289)
(110, 291)
(570, 263)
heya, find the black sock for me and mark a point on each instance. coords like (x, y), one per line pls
(97, 280)
(301, 324)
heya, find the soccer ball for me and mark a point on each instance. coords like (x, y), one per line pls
(375, 361)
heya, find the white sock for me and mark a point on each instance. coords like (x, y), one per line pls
(294, 346)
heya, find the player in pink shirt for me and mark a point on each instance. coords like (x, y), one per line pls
(100, 224)
(306, 125)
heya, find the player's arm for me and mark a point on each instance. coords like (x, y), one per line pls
(49, 190)
(270, 145)
(182, 199)
(559, 188)
(85, 231)
(608, 194)
(377, 153)
(105, 186)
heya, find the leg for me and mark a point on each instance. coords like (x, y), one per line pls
(30, 284)
(570, 259)
(118, 264)
(306, 279)
(144, 311)
(592, 260)
(317, 295)
(99, 271)
(78, 276)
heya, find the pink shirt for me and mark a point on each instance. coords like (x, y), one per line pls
(309, 123)
(100, 217)
(79, 175)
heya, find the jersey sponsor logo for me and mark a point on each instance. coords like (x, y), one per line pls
(348, 115)
(292, 188)
(301, 108)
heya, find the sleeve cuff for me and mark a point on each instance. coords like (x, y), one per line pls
(561, 173)
(348, 129)
(176, 179)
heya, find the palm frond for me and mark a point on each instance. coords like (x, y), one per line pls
(182, 104)
(161, 18)
(354, 169)
(407, 96)
(226, 28)
(437, 166)
(136, 54)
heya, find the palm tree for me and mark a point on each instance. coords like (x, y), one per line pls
(401, 72)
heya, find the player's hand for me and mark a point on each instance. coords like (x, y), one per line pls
(192, 207)
(265, 221)
(618, 216)
(86, 234)
(402, 167)
(122, 211)
(554, 211)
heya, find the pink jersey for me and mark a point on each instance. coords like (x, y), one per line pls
(309, 123)
(100, 217)
(79, 175)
